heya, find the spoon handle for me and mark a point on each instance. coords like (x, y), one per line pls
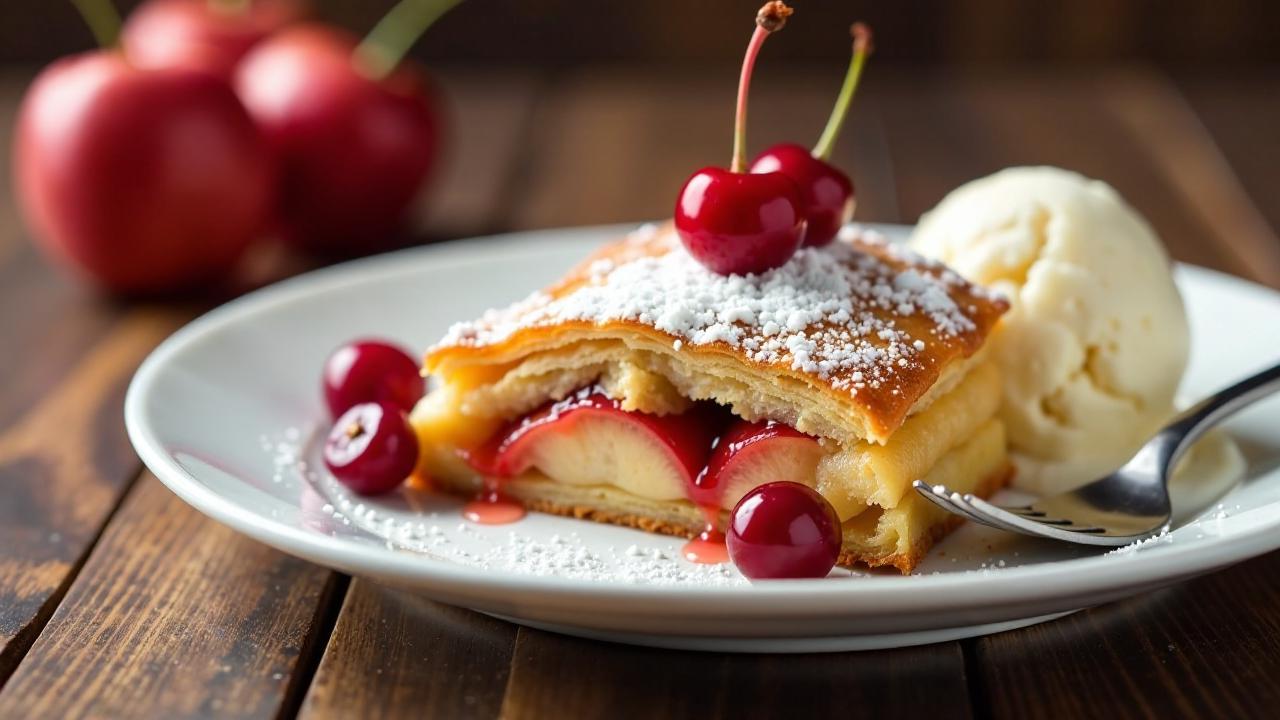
(1196, 420)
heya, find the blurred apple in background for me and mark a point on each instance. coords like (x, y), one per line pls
(145, 181)
(151, 168)
(207, 34)
(354, 126)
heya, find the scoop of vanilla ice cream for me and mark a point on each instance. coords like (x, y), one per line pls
(1096, 340)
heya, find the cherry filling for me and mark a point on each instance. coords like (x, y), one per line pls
(704, 455)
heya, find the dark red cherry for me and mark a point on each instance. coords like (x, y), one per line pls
(784, 530)
(739, 222)
(371, 448)
(826, 193)
(371, 371)
(733, 221)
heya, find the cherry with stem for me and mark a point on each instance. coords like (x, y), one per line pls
(828, 197)
(732, 221)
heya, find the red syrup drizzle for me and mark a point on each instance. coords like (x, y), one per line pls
(709, 547)
(491, 507)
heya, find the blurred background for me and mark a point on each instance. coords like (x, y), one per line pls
(562, 112)
(557, 33)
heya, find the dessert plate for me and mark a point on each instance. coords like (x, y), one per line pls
(227, 413)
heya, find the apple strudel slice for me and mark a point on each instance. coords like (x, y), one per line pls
(645, 390)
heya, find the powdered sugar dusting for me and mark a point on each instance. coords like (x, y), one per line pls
(827, 312)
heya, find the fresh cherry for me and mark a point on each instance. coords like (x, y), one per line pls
(356, 129)
(732, 221)
(827, 199)
(210, 35)
(371, 448)
(826, 193)
(371, 371)
(784, 530)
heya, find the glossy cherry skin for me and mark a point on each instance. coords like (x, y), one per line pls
(145, 181)
(784, 530)
(826, 192)
(739, 223)
(371, 371)
(354, 151)
(199, 34)
(371, 448)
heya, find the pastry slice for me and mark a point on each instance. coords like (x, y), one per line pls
(644, 390)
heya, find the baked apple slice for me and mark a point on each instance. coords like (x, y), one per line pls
(588, 439)
(750, 454)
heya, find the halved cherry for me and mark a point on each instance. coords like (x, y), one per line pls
(588, 439)
(750, 454)
(371, 448)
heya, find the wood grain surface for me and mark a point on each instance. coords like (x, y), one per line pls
(397, 656)
(173, 616)
(117, 600)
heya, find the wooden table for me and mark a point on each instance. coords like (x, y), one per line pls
(116, 599)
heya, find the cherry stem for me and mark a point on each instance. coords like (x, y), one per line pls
(861, 49)
(770, 19)
(102, 18)
(389, 41)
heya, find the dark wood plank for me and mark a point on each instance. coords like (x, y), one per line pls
(947, 129)
(558, 676)
(1203, 649)
(487, 114)
(174, 616)
(616, 145)
(1153, 110)
(63, 466)
(1241, 112)
(396, 656)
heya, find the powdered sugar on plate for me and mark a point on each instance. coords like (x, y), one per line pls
(831, 311)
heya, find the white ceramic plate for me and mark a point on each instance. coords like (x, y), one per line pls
(226, 411)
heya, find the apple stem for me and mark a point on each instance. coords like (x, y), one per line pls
(102, 18)
(388, 42)
(771, 18)
(861, 49)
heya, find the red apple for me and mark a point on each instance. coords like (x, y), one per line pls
(203, 34)
(354, 150)
(147, 181)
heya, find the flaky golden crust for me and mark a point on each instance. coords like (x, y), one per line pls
(906, 562)
(873, 409)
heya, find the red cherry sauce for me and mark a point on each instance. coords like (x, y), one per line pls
(709, 547)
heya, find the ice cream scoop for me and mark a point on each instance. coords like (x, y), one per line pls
(1096, 341)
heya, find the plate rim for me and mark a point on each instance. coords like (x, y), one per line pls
(1065, 582)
